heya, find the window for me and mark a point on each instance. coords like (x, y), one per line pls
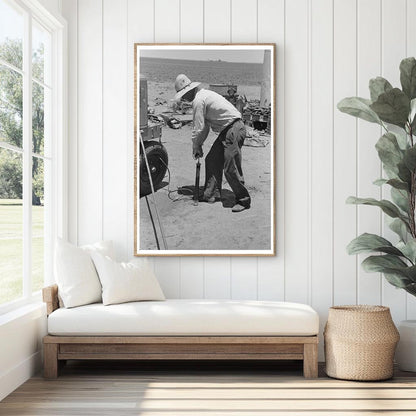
(31, 141)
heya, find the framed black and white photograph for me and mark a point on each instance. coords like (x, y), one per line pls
(204, 149)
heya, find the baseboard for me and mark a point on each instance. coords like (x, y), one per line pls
(10, 380)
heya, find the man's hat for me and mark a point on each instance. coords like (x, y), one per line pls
(182, 85)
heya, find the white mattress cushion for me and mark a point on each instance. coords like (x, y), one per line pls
(187, 317)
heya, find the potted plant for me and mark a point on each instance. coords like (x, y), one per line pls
(394, 109)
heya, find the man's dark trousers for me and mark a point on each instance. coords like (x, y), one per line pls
(225, 155)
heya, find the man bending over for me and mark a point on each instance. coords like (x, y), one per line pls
(211, 110)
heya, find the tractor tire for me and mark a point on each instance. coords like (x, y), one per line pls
(157, 156)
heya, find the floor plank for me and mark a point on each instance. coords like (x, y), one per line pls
(226, 389)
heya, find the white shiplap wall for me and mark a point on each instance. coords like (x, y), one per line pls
(326, 50)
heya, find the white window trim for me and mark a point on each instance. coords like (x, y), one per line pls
(59, 146)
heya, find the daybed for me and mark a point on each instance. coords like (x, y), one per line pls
(181, 329)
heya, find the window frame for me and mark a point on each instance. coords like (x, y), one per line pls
(57, 226)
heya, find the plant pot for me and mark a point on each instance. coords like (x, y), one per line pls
(360, 341)
(406, 350)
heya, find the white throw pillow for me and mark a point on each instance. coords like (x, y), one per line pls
(75, 273)
(103, 247)
(126, 282)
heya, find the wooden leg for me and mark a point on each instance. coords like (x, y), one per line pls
(310, 360)
(50, 360)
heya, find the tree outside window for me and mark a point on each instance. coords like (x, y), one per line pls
(25, 151)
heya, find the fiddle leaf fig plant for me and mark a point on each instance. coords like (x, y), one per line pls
(394, 109)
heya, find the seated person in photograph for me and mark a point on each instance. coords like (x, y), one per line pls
(236, 100)
(211, 110)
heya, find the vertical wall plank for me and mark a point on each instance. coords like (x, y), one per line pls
(411, 51)
(271, 270)
(244, 278)
(192, 21)
(217, 28)
(394, 38)
(243, 21)
(192, 31)
(411, 28)
(168, 273)
(192, 278)
(90, 128)
(321, 148)
(296, 152)
(115, 52)
(217, 278)
(167, 29)
(345, 151)
(167, 16)
(393, 51)
(141, 11)
(369, 168)
(217, 21)
(144, 33)
(70, 11)
(244, 270)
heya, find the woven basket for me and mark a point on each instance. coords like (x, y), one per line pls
(360, 342)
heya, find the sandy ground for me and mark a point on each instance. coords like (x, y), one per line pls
(208, 226)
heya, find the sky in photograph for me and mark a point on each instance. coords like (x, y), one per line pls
(248, 56)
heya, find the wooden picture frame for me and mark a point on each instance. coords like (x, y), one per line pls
(170, 218)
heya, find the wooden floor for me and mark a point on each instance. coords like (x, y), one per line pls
(222, 389)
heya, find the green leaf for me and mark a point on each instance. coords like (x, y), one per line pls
(395, 183)
(389, 151)
(408, 249)
(398, 184)
(366, 243)
(401, 137)
(359, 107)
(412, 109)
(390, 173)
(408, 77)
(380, 182)
(388, 207)
(411, 289)
(410, 272)
(404, 173)
(397, 280)
(395, 270)
(400, 198)
(378, 86)
(412, 116)
(392, 107)
(400, 228)
(381, 263)
(410, 158)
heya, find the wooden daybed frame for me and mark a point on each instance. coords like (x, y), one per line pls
(58, 349)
